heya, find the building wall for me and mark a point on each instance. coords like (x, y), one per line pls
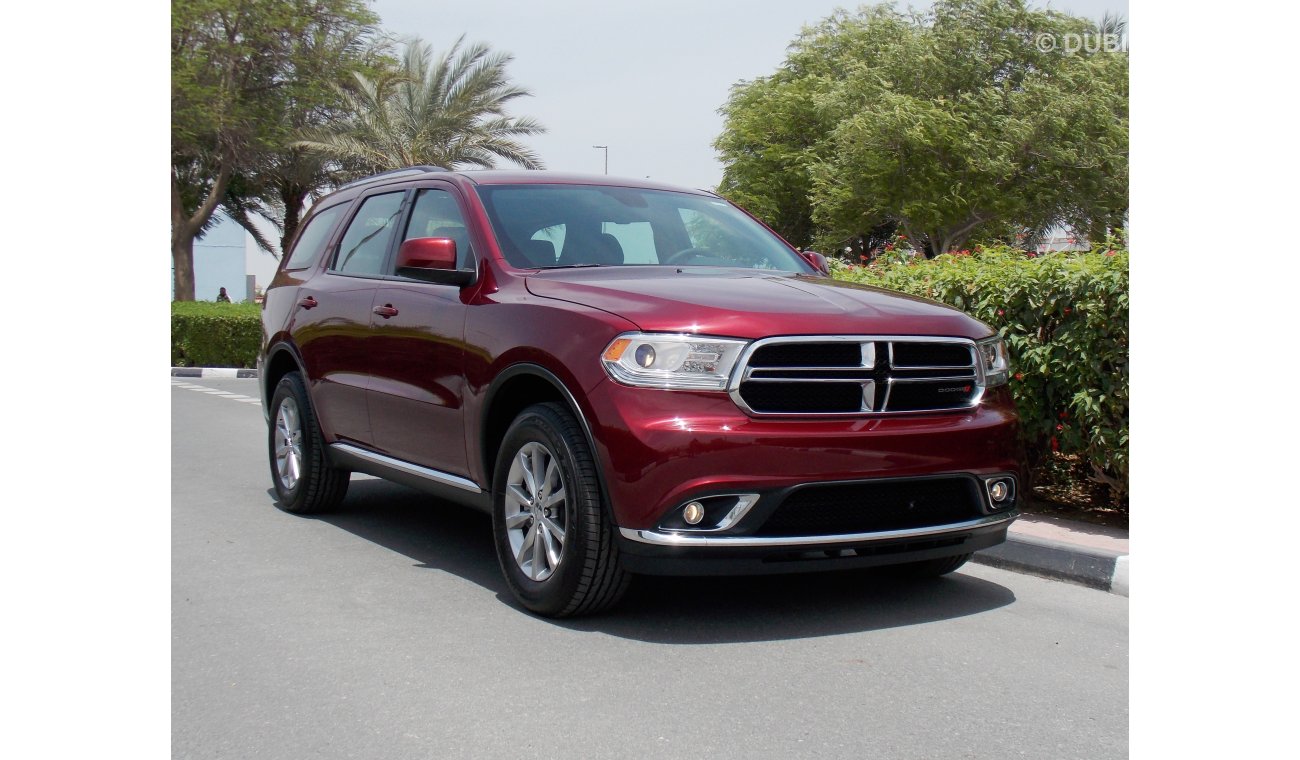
(226, 255)
(219, 261)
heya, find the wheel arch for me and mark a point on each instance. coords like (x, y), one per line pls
(280, 360)
(517, 388)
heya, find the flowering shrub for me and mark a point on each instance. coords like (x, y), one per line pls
(1064, 317)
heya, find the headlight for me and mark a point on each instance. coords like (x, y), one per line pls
(994, 362)
(675, 362)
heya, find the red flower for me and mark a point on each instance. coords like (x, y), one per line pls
(889, 246)
(1020, 376)
(1110, 253)
(1001, 312)
(863, 257)
(902, 237)
(1065, 415)
(1033, 255)
(1060, 428)
(1067, 310)
(1055, 445)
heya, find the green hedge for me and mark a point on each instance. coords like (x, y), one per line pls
(1065, 319)
(207, 334)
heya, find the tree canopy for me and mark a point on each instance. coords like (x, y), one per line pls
(447, 110)
(244, 77)
(953, 124)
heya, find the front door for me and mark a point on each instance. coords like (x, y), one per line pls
(417, 380)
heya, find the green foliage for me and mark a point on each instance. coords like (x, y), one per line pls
(447, 111)
(1065, 320)
(207, 334)
(950, 123)
(244, 77)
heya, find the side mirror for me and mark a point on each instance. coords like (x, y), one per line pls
(817, 260)
(432, 260)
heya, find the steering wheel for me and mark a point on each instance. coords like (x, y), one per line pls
(683, 255)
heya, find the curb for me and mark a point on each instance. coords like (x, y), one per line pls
(212, 372)
(1086, 566)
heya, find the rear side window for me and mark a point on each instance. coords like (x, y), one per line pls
(311, 241)
(365, 244)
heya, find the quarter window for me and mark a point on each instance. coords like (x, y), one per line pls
(311, 240)
(365, 244)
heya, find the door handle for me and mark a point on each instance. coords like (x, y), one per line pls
(385, 311)
(309, 303)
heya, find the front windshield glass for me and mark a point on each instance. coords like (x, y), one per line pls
(552, 226)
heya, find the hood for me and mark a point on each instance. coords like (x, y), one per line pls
(750, 304)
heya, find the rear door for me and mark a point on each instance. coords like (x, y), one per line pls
(418, 370)
(332, 328)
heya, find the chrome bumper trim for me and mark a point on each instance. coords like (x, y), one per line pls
(660, 538)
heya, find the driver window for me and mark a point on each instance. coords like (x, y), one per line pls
(436, 214)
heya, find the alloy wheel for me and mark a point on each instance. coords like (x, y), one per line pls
(535, 516)
(288, 443)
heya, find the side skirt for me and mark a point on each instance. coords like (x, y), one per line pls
(435, 482)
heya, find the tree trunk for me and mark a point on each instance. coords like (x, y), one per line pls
(183, 268)
(185, 228)
(293, 199)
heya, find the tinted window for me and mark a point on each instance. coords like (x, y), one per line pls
(624, 226)
(365, 244)
(311, 240)
(436, 215)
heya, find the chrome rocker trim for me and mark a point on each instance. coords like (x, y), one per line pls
(437, 476)
(660, 538)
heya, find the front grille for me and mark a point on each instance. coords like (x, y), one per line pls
(859, 376)
(792, 398)
(808, 355)
(834, 509)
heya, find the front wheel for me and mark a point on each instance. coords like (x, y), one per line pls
(554, 542)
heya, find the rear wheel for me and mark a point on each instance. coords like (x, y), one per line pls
(554, 543)
(304, 480)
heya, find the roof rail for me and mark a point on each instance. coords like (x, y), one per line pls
(391, 173)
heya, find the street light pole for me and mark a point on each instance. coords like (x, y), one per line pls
(606, 149)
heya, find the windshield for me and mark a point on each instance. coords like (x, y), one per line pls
(552, 226)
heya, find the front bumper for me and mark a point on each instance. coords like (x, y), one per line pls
(659, 449)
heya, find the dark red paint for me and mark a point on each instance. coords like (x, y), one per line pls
(414, 384)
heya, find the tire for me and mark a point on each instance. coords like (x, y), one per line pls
(561, 560)
(930, 568)
(304, 480)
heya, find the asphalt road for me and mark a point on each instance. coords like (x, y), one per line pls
(386, 631)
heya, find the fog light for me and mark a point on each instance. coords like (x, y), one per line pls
(693, 513)
(999, 491)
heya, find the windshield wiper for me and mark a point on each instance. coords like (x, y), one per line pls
(574, 266)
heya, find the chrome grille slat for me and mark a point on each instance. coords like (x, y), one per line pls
(875, 375)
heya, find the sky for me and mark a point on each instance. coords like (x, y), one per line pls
(645, 80)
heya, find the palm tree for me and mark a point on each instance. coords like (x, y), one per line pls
(447, 112)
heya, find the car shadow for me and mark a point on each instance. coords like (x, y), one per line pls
(670, 610)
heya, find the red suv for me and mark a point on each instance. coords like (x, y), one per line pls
(631, 378)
